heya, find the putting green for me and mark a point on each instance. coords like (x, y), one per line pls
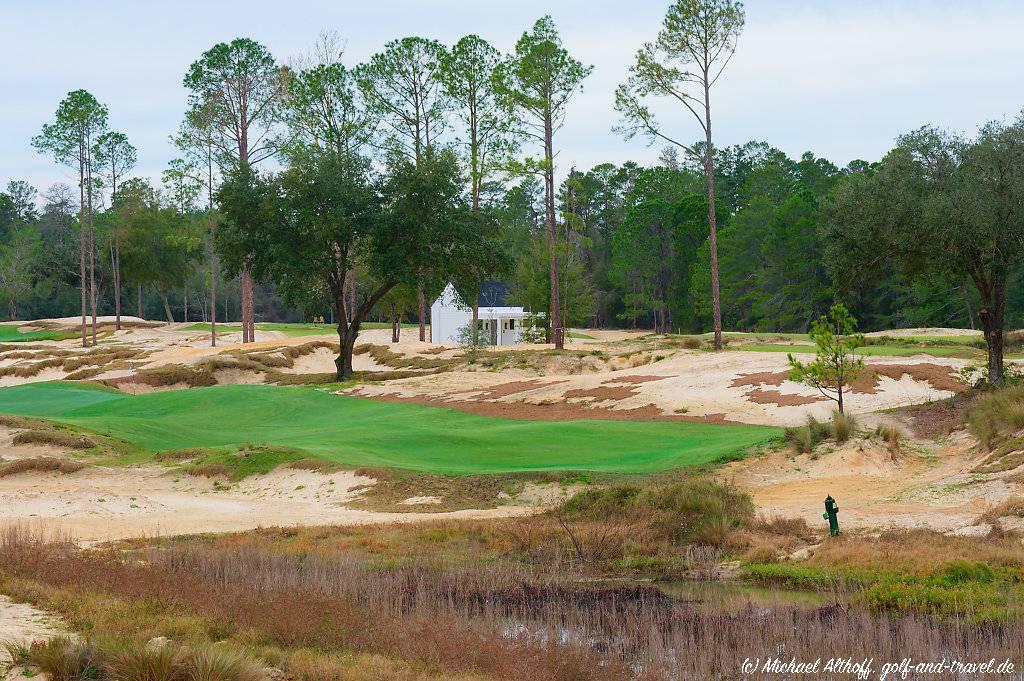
(361, 432)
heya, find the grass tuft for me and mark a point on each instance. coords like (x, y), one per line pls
(41, 464)
(53, 437)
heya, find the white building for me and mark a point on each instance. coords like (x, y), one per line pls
(502, 325)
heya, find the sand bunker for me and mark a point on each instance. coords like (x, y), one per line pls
(919, 486)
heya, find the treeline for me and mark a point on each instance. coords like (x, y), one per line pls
(353, 191)
(634, 238)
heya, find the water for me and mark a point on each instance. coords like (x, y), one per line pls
(735, 596)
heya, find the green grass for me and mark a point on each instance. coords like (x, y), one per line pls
(9, 334)
(293, 330)
(359, 432)
(959, 590)
(867, 351)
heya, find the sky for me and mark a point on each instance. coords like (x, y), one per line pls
(840, 78)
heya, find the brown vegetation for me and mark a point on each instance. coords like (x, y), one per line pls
(633, 380)
(939, 376)
(319, 603)
(39, 464)
(53, 437)
(760, 396)
(512, 388)
(548, 410)
(615, 393)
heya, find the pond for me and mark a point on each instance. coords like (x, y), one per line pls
(734, 596)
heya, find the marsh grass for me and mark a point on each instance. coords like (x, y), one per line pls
(308, 612)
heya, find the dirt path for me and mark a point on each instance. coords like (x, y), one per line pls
(22, 623)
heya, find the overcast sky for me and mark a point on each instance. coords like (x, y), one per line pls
(841, 78)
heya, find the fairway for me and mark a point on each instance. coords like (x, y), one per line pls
(360, 432)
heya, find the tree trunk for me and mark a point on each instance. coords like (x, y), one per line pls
(213, 291)
(117, 260)
(421, 304)
(709, 169)
(476, 313)
(81, 250)
(552, 234)
(117, 281)
(352, 292)
(248, 312)
(396, 326)
(185, 311)
(213, 247)
(346, 341)
(92, 251)
(348, 324)
(139, 300)
(840, 397)
(992, 315)
(167, 306)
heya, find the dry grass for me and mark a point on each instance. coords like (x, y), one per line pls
(382, 354)
(1012, 507)
(72, 363)
(1008, 455)
(997, 416)
(455, 492)
(330, 615)
(890, 434)
(39, 464)
(317, 465)
(53, 437)
(916, 552)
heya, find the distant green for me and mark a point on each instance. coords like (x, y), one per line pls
(360, 432)
(293, 330)
(9, 334)
(868, 350)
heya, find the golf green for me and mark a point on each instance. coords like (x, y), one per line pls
(361, 432)
(9, 333)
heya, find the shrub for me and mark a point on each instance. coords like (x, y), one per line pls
(56, 438)
(890, 434)
(213, 663)
(997, 415)
(41, 464)
(843, 426)
(693, 511)
(66, 659)
(805, 438)
(471, 338)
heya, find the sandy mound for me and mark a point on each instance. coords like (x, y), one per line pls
(745, 387)
(919, 486)
(98, 504)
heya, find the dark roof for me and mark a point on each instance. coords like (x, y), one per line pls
(492, 294)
